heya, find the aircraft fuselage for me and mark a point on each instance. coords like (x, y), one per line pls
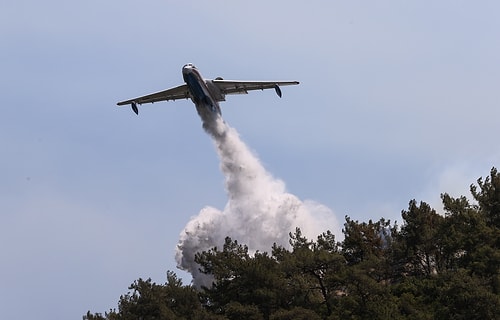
(204, 98)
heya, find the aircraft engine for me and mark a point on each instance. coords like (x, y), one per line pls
(278, 90)
(134, 108)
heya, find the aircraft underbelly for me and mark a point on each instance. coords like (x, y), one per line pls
(195, 87)
(206, 106)
(207, 112)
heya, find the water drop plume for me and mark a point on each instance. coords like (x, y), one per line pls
(259, 211)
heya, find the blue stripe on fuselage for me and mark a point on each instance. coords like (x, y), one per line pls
(199, 96)
(195, 87)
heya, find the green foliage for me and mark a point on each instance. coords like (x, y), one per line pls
(149, 300)
(421, 238)
(240, 278)
(488, 197)
(432, 267)
(452, 295)
(296, 313)
(365, 241)
(313, 271)
(237, 311)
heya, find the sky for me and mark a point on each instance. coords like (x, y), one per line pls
(397, 101)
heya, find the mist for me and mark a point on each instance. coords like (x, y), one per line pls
(259, 211)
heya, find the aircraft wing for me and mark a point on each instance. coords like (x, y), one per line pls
(238, 87)
(179, 92)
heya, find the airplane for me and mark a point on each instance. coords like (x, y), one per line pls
(205, 93)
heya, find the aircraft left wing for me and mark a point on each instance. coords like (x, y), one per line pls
(238, 87)
(175, 93)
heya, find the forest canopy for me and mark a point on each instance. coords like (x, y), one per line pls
(433, 266)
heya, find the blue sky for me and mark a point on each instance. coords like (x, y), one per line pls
(397, 101)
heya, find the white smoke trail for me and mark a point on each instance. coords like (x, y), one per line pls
(259, 211)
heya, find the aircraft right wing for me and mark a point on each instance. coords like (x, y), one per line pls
(175, 93)
(237, 87)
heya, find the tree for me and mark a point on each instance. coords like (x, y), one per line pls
(473, 231)
(421, 239)
(149, 300)
(450, 295)
(433, 267)
(237, 311)
(488, 197)
(296, 313)
(368, 248)
(363, 241)
(462, 296)
(488, 255)
(239, 278)
(313, 271)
